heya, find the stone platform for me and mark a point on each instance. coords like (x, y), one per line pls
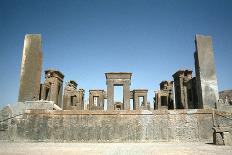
(111, 126)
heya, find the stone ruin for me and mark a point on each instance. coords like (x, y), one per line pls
(185, 108)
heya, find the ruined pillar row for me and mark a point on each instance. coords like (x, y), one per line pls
(207, 87)
(31, 68)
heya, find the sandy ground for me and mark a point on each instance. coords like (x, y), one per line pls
(161, 148)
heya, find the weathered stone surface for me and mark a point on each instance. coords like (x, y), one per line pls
(217, 138)
(207, 87)
(43, 105)
(114, 126)
(222, 136)
(31, 68)
(227, 139)
(181, 79)
(192, 94)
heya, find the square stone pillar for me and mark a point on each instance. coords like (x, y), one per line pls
(207, 87)
(135, 103)
(110, 96)
(159, 101)
(54, 92)
(145, 101)
(126, 96)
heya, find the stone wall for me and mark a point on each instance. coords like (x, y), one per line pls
(115, 126)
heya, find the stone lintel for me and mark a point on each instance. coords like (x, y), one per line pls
(118, 75)
(96, 90)
(140, 90)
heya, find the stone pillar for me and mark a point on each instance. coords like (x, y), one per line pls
(145, 101)
(126, 96)
(31, 68)
(207, 87)
(60, 94)
(54, 92)
(91, 101)
(110, 96)
(135, 103)
(159, 101)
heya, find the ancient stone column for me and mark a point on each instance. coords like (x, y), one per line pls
(207, 87)
(31, 68)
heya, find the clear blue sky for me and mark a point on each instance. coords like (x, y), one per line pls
(86, 38)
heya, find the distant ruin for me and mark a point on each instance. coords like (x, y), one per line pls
(186, 108)
(200, 92)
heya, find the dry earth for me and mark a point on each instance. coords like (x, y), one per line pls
(161, 148)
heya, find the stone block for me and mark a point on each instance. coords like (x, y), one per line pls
(42, 105)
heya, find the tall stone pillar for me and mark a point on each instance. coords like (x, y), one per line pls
(31, 68)
(110, 96)
(126, 96)
(207, 87)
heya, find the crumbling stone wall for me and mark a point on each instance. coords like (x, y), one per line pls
(116, 126)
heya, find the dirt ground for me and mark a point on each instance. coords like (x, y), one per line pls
(161, 148)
